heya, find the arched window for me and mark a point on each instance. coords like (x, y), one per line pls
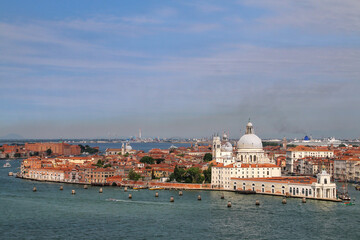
(250, 158)
(242, 158)
(254, 158)
(325, 181)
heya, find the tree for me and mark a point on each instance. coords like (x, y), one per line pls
(194, 175)
(49, 152)
(88, 149)
(207, 157)
(207, 174)
(133, 175)
(17, 155)
(342, 145)
(147, 159)
(7, 156)
(159, 160)
(179, 174)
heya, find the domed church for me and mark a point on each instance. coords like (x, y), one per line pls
(250, 148)
(247, 160)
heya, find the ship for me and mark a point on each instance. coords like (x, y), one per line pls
(6, 165)
(309, 141)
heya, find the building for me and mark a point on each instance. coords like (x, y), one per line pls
(248, 160)
(125, 148)
(309, 187)
(298, 152)
(56, 148)
(347, 168)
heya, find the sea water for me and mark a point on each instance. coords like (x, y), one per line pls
(50, 213)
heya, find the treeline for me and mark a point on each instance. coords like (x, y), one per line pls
(191, 175)
(88, 149)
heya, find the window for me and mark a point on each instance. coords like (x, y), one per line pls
(291, 190)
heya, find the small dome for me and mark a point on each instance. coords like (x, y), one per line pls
(128, 148)
(249, 124)
(227, 147)
(250, 141)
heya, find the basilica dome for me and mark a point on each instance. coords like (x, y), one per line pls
(249, 141)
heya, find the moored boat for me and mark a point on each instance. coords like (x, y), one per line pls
(156, 188)
(6, 165)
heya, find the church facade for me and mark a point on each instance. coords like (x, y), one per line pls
(246, 160)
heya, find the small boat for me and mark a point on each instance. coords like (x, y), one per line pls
(7, 164)
(349, 203)
(139, 187)
(156, 188)
(357, 187)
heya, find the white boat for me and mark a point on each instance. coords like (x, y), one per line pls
(7, 164)
(316, 142)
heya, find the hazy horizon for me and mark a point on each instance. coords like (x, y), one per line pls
(92, 69)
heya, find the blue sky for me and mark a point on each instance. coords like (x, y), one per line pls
(77, 69)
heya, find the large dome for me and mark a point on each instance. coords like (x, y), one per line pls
(249, 141)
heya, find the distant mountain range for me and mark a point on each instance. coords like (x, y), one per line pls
(12, 136)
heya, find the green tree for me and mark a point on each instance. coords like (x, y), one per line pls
(194, 175)
(342, 145)
(147, 159)
(133, 175)
(49, 152)
(179, 174)
(207, 157)
(17, 155)
(207, 174)
(159, 160)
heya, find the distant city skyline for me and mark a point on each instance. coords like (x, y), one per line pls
(92, 69)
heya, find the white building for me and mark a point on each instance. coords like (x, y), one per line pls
(298, 152)
(248, 160)
(308, 187)
(347, 169)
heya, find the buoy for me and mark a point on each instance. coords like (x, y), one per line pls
(85, 186)
(229, 204)
(100, 190)
(284, 201)
(125, 189)
(303, 200)
(34, 189)
(171, 199)
(61, 187)
(130, 196)
(257, 202)
(222, 196)
(73, 192)
(180, 193)
(11, 174)
(156, 194)
(199, 197)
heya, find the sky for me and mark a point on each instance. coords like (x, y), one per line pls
(90, 69)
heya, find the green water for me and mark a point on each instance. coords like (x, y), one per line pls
(53, 214)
